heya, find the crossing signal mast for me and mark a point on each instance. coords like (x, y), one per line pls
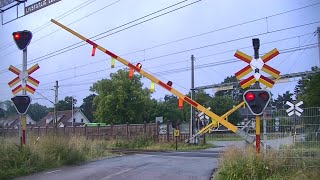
(22, 102)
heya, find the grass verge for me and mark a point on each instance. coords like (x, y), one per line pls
(146, 143)
(245, 164)
(48, 152)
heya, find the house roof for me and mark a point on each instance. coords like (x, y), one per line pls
(10, 121)
(63, 117)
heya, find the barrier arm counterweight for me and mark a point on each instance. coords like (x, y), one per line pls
(221, 120)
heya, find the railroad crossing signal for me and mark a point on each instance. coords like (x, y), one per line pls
(257, 65)
(23, 76)
(256, 100)
(22, 39)
(294, 108)
(21, 103)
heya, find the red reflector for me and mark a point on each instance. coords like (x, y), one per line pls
(249, 96)
(16, 36)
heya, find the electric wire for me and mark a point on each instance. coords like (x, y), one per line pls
(214, 30)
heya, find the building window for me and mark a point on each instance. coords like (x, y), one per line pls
(29, 122)
(74, 120)
(81, 120)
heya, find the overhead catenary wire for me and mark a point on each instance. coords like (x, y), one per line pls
(204, 66)
(183, 70)
(218, 53)
(65, 14)
(194, 35)
(206, 46)
(177, 70)
(80, 42)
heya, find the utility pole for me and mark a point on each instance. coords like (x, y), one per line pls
(318, 30)
(72, 109)
(192, 111)
(55, 103)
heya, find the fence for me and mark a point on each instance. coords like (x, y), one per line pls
(124, 131)
(297, 138)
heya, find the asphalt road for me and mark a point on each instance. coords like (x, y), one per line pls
(196, 165)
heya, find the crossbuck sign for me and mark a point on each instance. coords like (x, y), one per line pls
(294, 108)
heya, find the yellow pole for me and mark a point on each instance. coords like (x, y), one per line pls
(258, 134)
(23, 129)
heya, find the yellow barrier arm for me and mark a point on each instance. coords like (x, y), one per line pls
(193, 103)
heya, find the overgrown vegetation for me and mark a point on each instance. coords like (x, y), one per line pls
(245, 164)
(146, 143)
(47, 152)
(52, 151)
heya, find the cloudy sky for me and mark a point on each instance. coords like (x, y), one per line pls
(210, 30)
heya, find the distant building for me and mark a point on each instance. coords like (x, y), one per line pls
(64, 119)
(14, 121)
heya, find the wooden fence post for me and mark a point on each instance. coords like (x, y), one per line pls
(168, 131)
(99, 131)
(64, 129)
(111, 135)
(158, 133)
(46, 130)
(74, 129)
(85, 130)
(145, 128)
(127, 131)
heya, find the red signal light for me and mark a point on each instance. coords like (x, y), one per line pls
(249, 96)
(264, 96)
(16, 36)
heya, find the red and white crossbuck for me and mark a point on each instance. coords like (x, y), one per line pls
(254, 64)
(21, 77)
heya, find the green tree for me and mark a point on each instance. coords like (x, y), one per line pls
(169, 108)
(9, 108)
(308, 89)
(37, 111)
(87, 107)
(66, 104)
(221, 105)
(280, 102)
(201, 97)
(120, 99)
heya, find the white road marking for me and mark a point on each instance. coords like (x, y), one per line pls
(116, 174)
(53, 171)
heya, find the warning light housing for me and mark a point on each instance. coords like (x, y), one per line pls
(21, 103)
(257, 100)
(22, 39)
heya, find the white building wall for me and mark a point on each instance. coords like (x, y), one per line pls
(30, 121)
(78, 116)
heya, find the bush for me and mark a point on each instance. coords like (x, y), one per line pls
(245, 164)
(48, 152)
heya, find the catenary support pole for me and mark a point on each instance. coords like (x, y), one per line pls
(55, 103)
(192, 113)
